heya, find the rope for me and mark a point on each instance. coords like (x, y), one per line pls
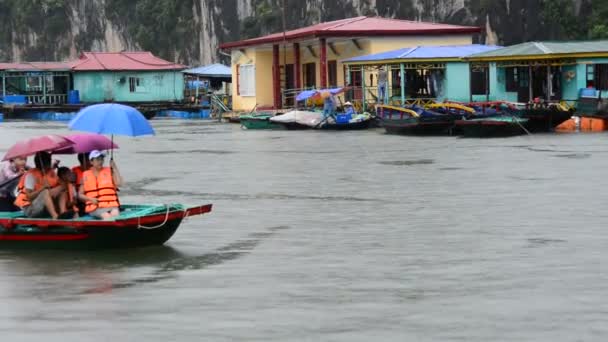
(140, 226)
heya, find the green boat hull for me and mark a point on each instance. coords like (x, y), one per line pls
(258, 122)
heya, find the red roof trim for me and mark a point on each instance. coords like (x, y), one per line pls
(340, 28)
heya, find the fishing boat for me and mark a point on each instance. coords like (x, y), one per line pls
(258, 121)
(414, 121)
(491, 127)
(298, 120)
(540, 118)
(137, 226)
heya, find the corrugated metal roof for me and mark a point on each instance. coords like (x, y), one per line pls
(359, 26)
(547, 48)
(123, 61)
(212, 70)
(425, 52)
(36, 66)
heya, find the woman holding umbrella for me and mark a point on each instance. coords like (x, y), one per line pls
(99, 188)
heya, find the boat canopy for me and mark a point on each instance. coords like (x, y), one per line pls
(307, 94)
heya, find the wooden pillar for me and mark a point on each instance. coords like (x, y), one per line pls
(44, 88)
(276, 77)
(363, 88)
(297, 66)
(530, 90)
(402, 73)
(470, 82)
(488, 82)
(549, 83)
(323, 62)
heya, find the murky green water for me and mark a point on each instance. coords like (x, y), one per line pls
(321, 236)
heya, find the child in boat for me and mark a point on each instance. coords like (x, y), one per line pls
(66, 179)
(40, 193)
(99, 187)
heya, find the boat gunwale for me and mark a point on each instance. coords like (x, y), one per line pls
(9, 223)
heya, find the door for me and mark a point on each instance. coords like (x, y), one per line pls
(523, 88)
(355, 82)
(289, 84)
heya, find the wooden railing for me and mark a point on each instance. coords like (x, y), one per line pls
(48, 99)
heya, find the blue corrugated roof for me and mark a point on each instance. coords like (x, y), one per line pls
(212, 70)
(426, 52)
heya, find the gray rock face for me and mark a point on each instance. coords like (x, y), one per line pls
(189, 31)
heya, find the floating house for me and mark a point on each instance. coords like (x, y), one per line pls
(36, 82)
(137, 77)
(552, 71)
(268, 71)
(421, 74)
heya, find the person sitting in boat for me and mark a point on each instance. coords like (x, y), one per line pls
(40, 193)
(10, 171)
(66, 179)
(78, 171)
(99, 188)
(349, 109)
(83, 165)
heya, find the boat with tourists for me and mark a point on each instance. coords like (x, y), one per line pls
(32, 216)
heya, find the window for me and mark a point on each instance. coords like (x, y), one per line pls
(136, 85)
(246, 80)
(597, 76)
(332, 73)
(310, 75)
(479, 82)
(512, 79)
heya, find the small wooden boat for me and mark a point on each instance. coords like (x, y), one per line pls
(348, 126)
(491, 127)
(258, 121)
(406, 121)
(540, 118)
(137, 226)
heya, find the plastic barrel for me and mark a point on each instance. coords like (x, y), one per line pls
(73, 97)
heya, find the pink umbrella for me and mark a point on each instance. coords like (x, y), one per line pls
(45, 143)
(85, 143)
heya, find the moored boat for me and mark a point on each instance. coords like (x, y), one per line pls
(492, 127)
(540, 117)
(258, 121)
(137, 226)
(415, 121)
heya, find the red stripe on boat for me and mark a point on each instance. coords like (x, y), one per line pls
(54, 237)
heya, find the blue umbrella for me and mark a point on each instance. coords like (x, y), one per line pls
(111, 118)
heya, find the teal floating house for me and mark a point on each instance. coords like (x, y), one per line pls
(137, 77)
(572, 71)
(422, 73)
(44, 83)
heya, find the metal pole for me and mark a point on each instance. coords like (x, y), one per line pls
(402, 71)
(363, 88)
(3, 85)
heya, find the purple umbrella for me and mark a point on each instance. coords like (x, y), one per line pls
(85, 143)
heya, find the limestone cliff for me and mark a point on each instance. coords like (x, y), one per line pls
(189, 31)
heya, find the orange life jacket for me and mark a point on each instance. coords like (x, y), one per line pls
(101, 187)
(71, 200)
(22, 200)
(77, 170)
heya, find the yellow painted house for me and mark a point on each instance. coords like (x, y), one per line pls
(268, 71)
